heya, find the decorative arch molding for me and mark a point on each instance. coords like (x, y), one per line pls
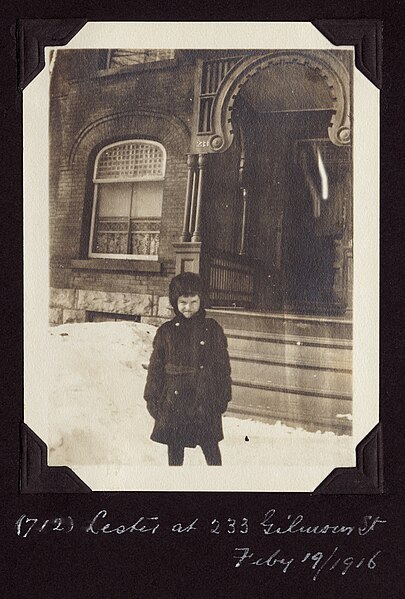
(328, 66)
(127, 123)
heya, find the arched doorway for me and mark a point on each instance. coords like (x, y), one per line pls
(298, 185)
(280, 131)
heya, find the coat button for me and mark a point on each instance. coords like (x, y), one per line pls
(176, 392)
(177, 324)
(201, 366)
(202, 342)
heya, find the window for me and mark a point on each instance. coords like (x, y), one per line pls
(117, 59)
(127, 206)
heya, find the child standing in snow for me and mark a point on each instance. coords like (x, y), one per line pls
(189, 384)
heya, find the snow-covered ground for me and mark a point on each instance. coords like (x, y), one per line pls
(98, 425)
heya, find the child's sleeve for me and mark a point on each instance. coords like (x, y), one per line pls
(223, 370)
(155, 379)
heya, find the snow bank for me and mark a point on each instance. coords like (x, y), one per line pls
(97, 419)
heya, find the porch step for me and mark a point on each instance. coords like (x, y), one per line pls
(298, 374)
(296, 370)
(314, 351)
(290, 324)
(294, 363)
(290, 389)
(312, 413)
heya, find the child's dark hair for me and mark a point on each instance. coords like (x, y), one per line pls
(187, 284)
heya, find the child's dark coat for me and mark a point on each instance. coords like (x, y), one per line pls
(189, 384)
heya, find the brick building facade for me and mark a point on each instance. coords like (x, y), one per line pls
(92, 107)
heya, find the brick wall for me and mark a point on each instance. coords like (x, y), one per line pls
(89, 111)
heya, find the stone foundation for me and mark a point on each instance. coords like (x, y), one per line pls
(55, 315)
(72, 305)
(73, 316)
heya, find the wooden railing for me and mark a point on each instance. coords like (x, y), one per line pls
(231, 280)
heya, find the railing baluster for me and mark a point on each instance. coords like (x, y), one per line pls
(208, 88)
(231, 280)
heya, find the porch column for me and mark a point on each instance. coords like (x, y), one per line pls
(191, 175)
(202, 161)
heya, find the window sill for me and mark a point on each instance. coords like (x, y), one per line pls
(138, 68)
(111, 265)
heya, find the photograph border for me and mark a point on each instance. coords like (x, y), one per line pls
(365, 36)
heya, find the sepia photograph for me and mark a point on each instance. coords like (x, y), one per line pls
(201, 257)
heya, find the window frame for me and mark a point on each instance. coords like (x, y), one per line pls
(144, 52)
(96, 181)
(106, 71)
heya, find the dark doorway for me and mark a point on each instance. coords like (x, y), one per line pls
(297, 236)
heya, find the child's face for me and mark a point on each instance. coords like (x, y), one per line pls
(188, 305)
